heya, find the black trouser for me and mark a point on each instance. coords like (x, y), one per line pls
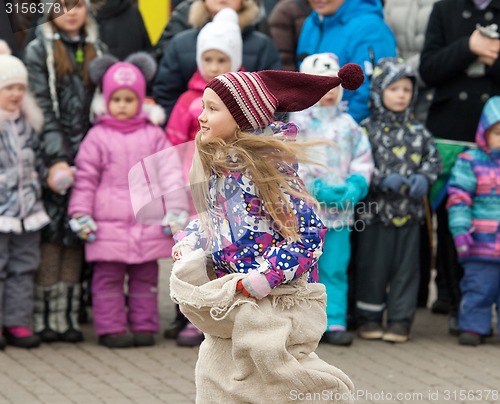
(387, 273)
(449, 271)
(425, 265)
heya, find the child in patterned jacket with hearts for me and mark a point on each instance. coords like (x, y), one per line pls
(474, 218)
(406, 164)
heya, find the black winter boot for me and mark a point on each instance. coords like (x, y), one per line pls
(44, 318)
(68, 329)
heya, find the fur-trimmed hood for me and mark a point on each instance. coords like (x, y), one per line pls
(154, 112)
(30, 111)
(248, 15)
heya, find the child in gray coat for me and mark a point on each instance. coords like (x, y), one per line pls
(22, 214)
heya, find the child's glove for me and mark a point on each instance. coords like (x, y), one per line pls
(328, 194)
(355, 184)
(185, 246)
(419, 186)
(254, 285)
(393, 182)
(174, 221)
(463, 242)
(241, 288)
(85, 227)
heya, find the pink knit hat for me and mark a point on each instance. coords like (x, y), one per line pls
(123, 75)
(253, 98)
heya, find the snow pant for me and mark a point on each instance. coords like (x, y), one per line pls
(480, 288)
(109, 301)
(387, 273)
(19, 261)
(333, 265)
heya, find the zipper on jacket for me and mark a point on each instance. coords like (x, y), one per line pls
(19, 169)
(321, 32)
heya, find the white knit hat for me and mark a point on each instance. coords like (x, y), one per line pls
(322, 64)
(222, 34)
(12, 71)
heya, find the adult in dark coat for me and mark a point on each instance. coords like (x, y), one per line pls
(285, 24)
(178, 63)
(464, 68)
(184, 17)
(122, 28)
(178, 22)
(445, 65)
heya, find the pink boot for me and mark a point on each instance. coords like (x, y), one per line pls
(22, 337)
(190, 336)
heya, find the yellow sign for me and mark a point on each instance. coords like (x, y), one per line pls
(155, 14)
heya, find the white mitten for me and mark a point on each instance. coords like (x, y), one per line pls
(174, 221)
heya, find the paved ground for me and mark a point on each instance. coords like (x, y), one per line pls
(431, 368)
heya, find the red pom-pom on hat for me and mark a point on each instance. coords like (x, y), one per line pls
(352, 76)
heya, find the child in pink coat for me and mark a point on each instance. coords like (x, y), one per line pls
(102, 209)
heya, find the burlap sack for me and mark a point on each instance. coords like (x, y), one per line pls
(257, 351)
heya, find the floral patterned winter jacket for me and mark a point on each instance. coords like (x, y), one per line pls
(245, 236)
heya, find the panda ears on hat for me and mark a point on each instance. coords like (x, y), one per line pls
(99, 66)
(144, 62)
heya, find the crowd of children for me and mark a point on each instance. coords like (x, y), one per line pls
(77, 130)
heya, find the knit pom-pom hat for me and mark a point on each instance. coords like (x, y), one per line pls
(253, 98)
(222, 34)
(322, 64)
(132, 74)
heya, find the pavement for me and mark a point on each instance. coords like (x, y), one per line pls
(430, 368)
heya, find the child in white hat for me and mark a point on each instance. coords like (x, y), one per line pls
(339, 182)
(22, 214)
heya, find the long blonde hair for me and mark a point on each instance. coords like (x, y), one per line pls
(63, 61)
(266, 160)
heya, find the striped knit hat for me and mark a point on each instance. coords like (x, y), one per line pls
(253, 98)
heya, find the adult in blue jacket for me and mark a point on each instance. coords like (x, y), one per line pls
(356, 32)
